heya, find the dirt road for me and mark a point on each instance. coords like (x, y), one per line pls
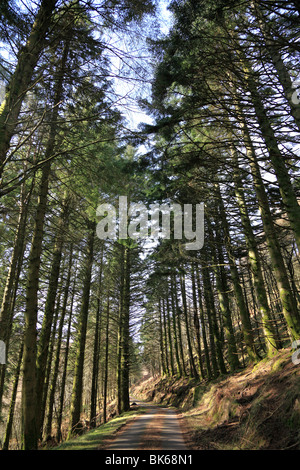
(157, 429)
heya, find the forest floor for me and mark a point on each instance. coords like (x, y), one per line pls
(257, 408)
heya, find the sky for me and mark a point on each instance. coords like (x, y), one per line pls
(127, 90)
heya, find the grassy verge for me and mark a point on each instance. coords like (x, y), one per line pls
(95, 438)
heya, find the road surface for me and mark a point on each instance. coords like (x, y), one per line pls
(158, 428)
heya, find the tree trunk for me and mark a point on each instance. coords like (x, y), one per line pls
(76, 400)
(44, 339)
(254, 260)
(170, 335)
(96, 352)
(178, 310)
(197, 323)
(178, 364)
(21, 79)
(275, 56)
(223, 289)
(120, 332)
(185, 312)
(161, 342)
(289, 305)
(165, 336)
(286, 189)
(48, 368)
(29, 400)
(106, 364)
(12, 280)
(203, 324)
(10, 418)
(125, 359)
(216, 352)
(64, 374)
(243, 311)
(58, 349)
